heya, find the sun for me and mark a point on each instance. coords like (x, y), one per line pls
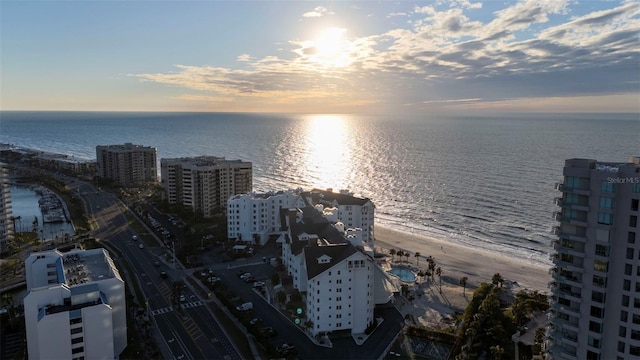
(331, 48)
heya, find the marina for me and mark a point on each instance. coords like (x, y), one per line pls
(39, 210)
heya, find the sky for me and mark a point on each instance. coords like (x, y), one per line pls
(372, 57)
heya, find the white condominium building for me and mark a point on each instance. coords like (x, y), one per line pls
(254, 217)
(6, 218)
(75, 306)
(595, 312)
(128, 164)
(354, 212)
(335, 276)
(205, 183)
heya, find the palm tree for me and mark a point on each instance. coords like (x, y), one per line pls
(463, 283)
(393, 252)
(400, 254)
(421, 274)
(497, 279)
(417, 256)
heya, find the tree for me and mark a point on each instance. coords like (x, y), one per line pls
(497, 279)
(417, 256)
(421, 275)
(463, 283)
(393, 252)
(407, 254)
(400, 254)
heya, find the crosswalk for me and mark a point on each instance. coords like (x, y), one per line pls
(162, 310)
(167, 309)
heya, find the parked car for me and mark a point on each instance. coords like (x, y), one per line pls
(135, 237)
(141, 246)
(182, 298)
(255, 321)
(156, 264)
(213, 279)
(245, 275)
(163, 275)
(259, 284)
(245, 307)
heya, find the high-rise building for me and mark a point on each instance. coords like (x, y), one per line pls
(6, 218)
(205, 183)
(75, 306)
(595, 312)
(128, 164)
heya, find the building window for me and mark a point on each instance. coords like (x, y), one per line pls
(605, 219)
(628, 269)
(625, 300)
(597, 312)
(601, 266)
(76, 330)
(77, 340)
(596, 297)
(602, 250)
(634, 350)
(634, 204)
(606, 203)
(630, 253)
(592, 356)
(633, 221)
(622, 331)
(77, 350)
(599, 281)
(595, 327)
(621, 346)
(608, 187)
(631, 237)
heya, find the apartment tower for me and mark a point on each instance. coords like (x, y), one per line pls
(205, 183)
(128, 164)
(595, 312)
(75, 306)
(6, 218)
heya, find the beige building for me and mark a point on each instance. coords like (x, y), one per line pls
(595, 312)
(128, 164)
(205, 183)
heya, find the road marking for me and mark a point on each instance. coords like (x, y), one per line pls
(162, 310)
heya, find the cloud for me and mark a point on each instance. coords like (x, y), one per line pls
(318, 11)
(444, 57)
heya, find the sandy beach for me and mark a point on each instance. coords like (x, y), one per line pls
(435, 304)
(457, 261)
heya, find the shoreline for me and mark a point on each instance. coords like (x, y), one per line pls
(457, 261)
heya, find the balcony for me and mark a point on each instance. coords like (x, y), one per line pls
(557, 216)
(558, 201)
(560, 186)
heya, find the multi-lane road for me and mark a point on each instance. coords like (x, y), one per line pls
(188, 329)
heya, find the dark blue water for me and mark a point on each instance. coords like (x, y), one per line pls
(486, 182)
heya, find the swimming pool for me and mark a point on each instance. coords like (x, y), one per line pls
(405, 275)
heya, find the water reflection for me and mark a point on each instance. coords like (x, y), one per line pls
(328, 156)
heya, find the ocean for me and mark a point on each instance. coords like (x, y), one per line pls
(484, 181)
